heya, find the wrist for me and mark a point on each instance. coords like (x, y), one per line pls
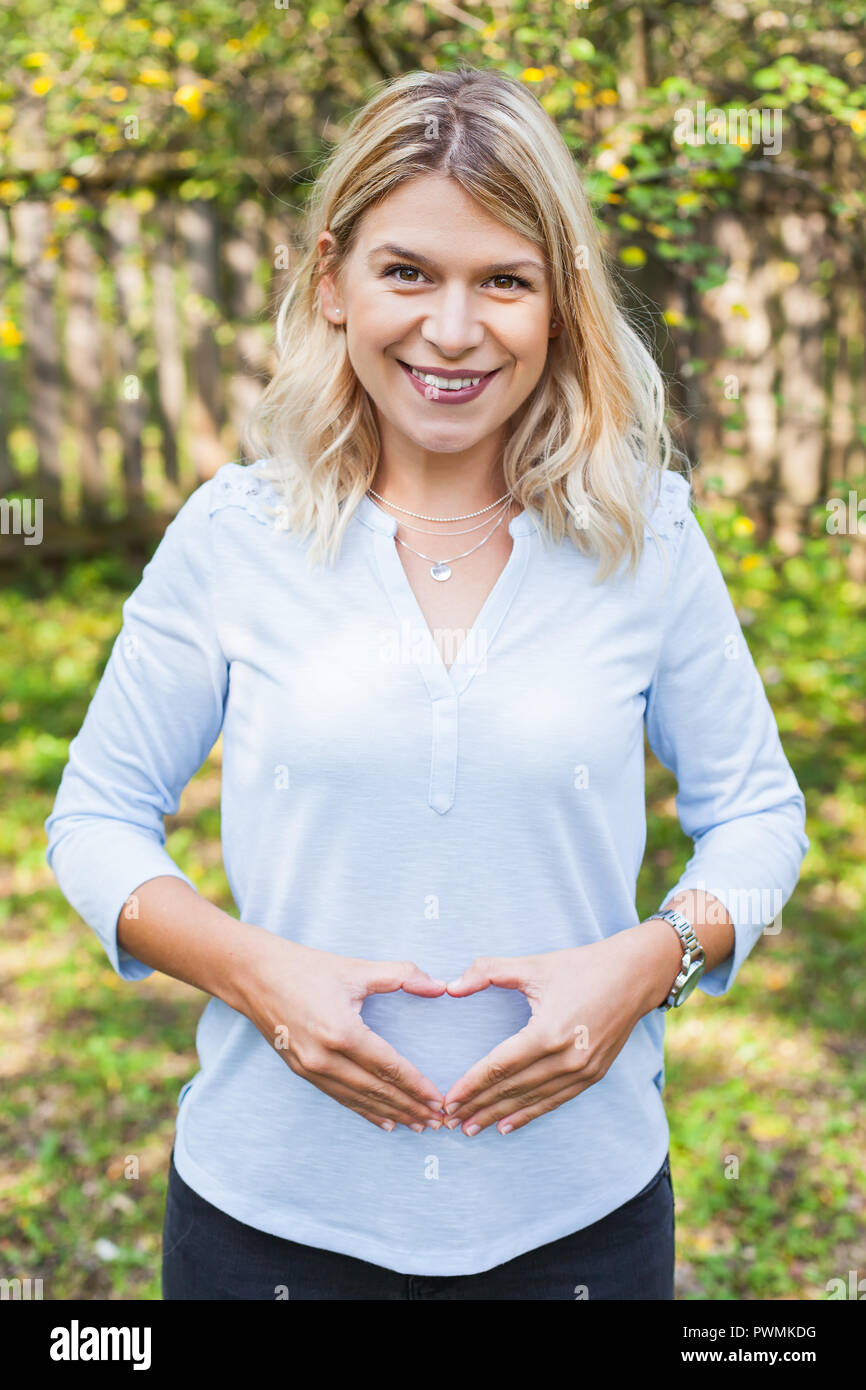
(249, 958)
(661, 955)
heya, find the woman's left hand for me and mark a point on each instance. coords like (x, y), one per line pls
(585, 1002)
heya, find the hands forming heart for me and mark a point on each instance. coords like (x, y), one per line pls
(584, 1001)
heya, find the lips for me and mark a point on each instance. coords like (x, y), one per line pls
(448, 395)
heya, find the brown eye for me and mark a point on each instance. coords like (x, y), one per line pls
(411, 268)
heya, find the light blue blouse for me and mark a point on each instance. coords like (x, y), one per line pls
(378, 804)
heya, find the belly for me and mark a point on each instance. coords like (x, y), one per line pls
(445, 1037)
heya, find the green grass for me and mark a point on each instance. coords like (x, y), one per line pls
(765, 1087)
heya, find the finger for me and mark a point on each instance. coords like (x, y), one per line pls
(521, 1050)
(365, 1100)
(504, 971)
(524, 1099)
(386, 976)
(370, 1051)
(345, 1071)
(549, 1071)
(532, 1112)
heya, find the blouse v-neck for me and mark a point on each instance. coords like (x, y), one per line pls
(443, 681)
(445, 685)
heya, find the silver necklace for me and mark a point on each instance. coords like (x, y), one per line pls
(419, 516)
(441, 569)
(465, 532)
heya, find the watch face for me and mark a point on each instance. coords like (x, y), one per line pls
(695, 973)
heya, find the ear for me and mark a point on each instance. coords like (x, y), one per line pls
(328, 297)
(555, 327)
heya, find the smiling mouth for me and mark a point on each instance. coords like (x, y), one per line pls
(450, 382)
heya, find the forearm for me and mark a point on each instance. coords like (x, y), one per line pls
(168, 925)
(662, 950)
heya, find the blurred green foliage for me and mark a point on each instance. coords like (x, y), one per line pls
(106, 101)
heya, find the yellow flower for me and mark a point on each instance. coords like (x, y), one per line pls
(234, 45)
(580, 89)
(154, 77)
(743, 526)
(618, 171)
(750, 562)
(583, 104)
(163, 37)
(189, 97)
(187, 50)
(659, 230)
(69, 182)
(607, 97)
(853, 58)
(687, 200)
(41, 85)
(613, 198)
(633, 255)
(9, 335)
(64, 205)
(858, 122)
(8, 191)
(740, 311)
(117, 93)
(673, 317)
(532, 75)
(788, 272)
(112, 6)
(35, 60)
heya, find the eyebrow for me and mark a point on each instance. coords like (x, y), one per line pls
(501, 268)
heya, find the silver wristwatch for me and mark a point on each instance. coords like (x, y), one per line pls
(693, 962)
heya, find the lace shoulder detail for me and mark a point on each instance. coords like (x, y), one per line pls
(241, 485)
(668, 510)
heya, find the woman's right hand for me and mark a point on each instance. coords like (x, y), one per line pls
(307, 1004)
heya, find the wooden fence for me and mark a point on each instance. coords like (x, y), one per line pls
(148, 340)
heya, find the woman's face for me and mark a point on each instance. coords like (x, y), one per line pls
(437, 284)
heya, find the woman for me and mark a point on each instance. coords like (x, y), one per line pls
(432, 1065)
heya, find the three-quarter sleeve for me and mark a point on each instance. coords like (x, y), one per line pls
(709, 721)
(153, 719)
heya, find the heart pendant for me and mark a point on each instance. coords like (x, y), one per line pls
(441, 572)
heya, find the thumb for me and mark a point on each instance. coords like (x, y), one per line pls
(507, 973)
(386, 976)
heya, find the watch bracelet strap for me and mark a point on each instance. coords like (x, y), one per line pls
(691, 948)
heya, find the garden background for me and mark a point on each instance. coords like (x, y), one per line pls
(153, 163)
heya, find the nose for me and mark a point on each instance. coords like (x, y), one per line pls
(451, 326)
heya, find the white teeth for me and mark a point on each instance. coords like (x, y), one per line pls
(443, 383)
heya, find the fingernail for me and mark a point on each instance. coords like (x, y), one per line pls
(435, 1105)
(419, 1129)
(388, 1124)
(449, 1109)
(434, 1124)
(452, 983)
(451, 1124)
(506, 1129)
(472, 1129)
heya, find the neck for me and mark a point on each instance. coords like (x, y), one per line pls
(438, 483)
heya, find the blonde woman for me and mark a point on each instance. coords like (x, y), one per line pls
(432, 621)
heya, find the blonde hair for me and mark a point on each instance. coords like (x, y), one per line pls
(590, 443)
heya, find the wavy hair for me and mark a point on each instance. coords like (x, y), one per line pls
(587, 448)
